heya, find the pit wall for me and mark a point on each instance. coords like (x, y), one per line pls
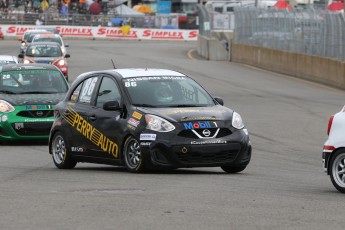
(319, 69)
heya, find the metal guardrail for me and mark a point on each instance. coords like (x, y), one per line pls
(312, 32)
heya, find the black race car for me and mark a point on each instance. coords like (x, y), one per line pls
(146, 118)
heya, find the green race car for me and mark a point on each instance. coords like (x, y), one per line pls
(28, 94)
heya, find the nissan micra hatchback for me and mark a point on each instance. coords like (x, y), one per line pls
(146, 118)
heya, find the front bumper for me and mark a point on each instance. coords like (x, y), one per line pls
(25, 129)
(177, 152)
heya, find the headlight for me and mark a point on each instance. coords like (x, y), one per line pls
(237, 121)
(26, 61)
(61, 62)
(158, 124)
(6, 107)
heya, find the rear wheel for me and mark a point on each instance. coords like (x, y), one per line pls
(338, 171)
(132, 155)
(233, 169)
(60, 152)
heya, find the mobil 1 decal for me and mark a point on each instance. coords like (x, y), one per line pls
(199, 125)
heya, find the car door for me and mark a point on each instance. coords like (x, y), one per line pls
(77, 114)
(108, 124)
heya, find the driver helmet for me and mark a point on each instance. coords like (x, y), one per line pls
(164, 93)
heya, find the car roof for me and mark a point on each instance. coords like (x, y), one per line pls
(44, 43)
(11, 67)
(38, 31)
(8, 58)
(48, 35)
(145, 72)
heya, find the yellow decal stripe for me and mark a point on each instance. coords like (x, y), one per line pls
(91, 133)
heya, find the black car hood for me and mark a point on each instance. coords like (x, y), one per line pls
(33, 99)
(191, 113)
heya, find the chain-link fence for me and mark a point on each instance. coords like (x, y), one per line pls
(312, 32)
(167, 21)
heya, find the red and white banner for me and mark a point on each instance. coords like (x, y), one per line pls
(108, 32)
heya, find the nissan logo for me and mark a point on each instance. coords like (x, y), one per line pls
(206, 132)
(39, 113)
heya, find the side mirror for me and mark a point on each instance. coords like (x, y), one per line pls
(67, 55)
(219, 100)
(20, 55)
(111, 106)
(19, 39)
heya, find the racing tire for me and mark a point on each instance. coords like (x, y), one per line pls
(233, 169)
(60, 152)
(133, 158)
(337, 172)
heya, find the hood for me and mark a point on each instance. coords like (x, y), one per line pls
(33, 99)
(216, 113)
(45, 60)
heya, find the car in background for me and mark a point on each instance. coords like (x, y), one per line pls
(1, 34)
(46, 53)
(51, 29)
(8, 59)
(333, 155)
(28, 95)
(51, 38)
(28, 36)
(146, 118)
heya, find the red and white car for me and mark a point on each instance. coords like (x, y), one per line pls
(46, 53)
(333, 155)
(1, 34)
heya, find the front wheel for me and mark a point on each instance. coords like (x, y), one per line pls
(338, 171)
(233, 169)
(60, 152)
(132, 155)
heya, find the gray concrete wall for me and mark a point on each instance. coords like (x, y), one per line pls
(319, 69)
(214, 48)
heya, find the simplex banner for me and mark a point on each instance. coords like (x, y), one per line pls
(108, 32)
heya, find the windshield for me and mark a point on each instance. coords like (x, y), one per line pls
(44, 51)
(169, 91)
(32, 81)
(48, 39)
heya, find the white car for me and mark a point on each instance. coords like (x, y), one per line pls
(51, 38)
(8, 59)
(333, 155)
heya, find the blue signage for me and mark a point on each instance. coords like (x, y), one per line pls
(163, 7)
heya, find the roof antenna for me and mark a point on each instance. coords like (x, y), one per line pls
(113, 63)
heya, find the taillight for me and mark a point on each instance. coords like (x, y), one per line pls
(330, 124)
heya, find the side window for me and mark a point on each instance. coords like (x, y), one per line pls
(87, 90)
(108, 91)
(75, 94)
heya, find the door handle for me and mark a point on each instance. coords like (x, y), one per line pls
(93, 118)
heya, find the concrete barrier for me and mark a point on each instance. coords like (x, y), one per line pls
(319, 69)
(215, 48)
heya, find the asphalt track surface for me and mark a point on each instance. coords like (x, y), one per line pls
(283, 187)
